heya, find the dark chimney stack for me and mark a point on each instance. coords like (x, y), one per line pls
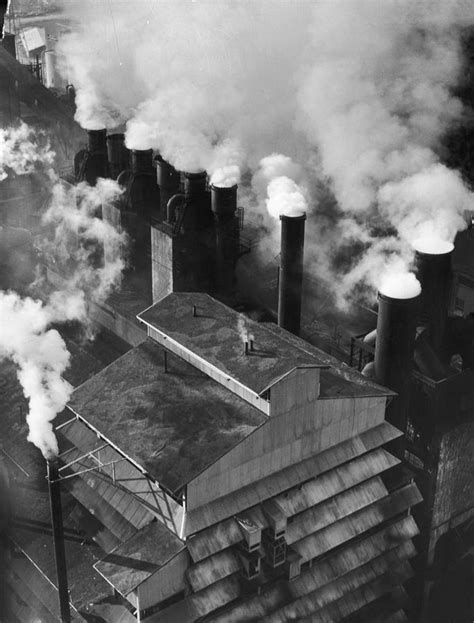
(141, 160)
(396, 328)
(90, 164)
(118, 155)
(224, 208)
(290, 280)
(198, 212)
(168, 180)
(58, 537)
(434, 274)
(97, 141)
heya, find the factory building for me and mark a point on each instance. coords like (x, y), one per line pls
(234, 480)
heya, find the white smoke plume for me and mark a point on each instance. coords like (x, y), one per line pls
(26, 336)
(23, 150)
(359, 95)
(41, 357)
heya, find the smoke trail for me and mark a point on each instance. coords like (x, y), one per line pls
(26, 336)
(41, 356)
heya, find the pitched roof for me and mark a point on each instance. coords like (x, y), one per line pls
(161, 419)
(217, 335)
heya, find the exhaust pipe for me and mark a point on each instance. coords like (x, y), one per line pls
(92, 163)
(168, 180)
(58, 537)
(117, 154)
(224, 208)
(290, 281)
(141, 161)
(434, 274)
(394, 348)
(97, 141)
(198, 213)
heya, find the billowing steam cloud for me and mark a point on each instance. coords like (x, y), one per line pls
(41, 357)
(360, 97)
(26, 336)
(22, 150)
(276, 175)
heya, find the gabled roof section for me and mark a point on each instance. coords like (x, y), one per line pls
(215, 333)
(173, 423)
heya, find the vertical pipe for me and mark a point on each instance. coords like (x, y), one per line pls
(117, 154)
(290, 280)
(97, 141)
(224, 206)
(396, 327)
(58, 537)
(142, 160)
(168, 180)
(434, 275)
(198, 212)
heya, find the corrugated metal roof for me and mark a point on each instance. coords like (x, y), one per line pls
(201, 518)
(358, 553)
(349, 604)
(213, 569)
(216, 596)
(332, 510)
(121, 500)
(217, 334)
(339, 594)
(325, 571)
(335, 481)
(140, 557)
(125, 473)
(108, 516)
(361, 521)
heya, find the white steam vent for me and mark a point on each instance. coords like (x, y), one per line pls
(400, 286)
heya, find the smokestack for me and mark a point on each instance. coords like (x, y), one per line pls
(117, 154)
(142, 161)
(291, 272)
(396, 327)
(198, 213)
(168, 180)
(224, 207)
(434, 274)
(58, 537)
(97, 141)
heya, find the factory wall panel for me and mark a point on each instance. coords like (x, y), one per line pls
(283, 440)
(165, 583)
(161, 264)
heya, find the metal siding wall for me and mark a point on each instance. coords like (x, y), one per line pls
(284, 440)
(161, 264)
(166, 582)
